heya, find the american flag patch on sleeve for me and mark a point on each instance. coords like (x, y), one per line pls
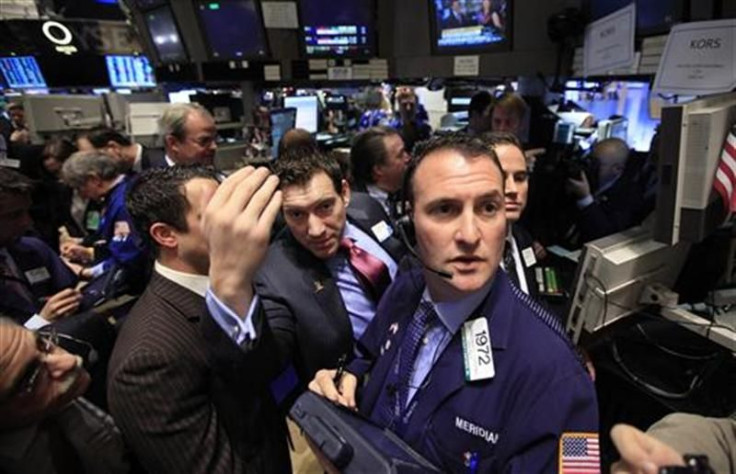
(579, 453)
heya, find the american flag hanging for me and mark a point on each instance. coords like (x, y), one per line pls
(725, 179)
(579, 454)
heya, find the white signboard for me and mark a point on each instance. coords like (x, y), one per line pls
(280, 15)
(467, 65)
(609, 42)
(699, 59)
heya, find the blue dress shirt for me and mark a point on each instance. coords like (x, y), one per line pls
(360, 307)
(452, 314)
(239, 330)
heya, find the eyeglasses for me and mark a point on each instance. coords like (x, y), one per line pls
(46, 341)
(26, 384)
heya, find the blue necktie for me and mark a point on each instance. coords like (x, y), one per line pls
(388, 407)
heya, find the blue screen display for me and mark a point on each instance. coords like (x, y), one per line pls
(471, 24)
(345, 28)
(233, 28)
(22, 72)
(130, 71)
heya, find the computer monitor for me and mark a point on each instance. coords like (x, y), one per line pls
(224, 107)
(51, 114)
(233, 28)
(165, 35)
(691, 142)
(307, 111)
(344, 28)
(282, 120)
(182, 96)
(22, 72)
(130, 71)
(471, 26)
(613, 274)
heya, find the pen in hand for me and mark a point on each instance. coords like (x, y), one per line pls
(340, 370)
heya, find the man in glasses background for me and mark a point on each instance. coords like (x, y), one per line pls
(45, 424)
(189, 135)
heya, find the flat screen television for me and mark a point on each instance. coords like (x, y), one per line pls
(307, 111)
(22, 72)
(165, 35)
(343, 28)
(130, 71)
(471, 26)
(233, 28)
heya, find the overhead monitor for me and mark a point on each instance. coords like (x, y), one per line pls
(75, 70)
(467, 26)
(613, 274)
(233, 28)
(165, 35)
(692, 140)
(130, 71)
(224, 108)
(307, 111)
(282, 120)
(343, 28)
(22, 72)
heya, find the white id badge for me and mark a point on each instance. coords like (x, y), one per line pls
(37, 275)
(528, 255)
(477, 350)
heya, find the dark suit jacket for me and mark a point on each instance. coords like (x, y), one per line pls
(186, 398)
(48, 276)
(523, 241)
(301, 299)
(153, 158)
(614, 210)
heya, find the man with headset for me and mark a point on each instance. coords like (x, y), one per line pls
(464, 367)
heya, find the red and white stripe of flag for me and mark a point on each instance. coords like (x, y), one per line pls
(725, 179)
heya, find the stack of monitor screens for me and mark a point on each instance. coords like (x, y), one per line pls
(130, 71)
(344, 28)
(468, 26)
(307, 111)
(165, 35)
(233, 28)
(22, 72)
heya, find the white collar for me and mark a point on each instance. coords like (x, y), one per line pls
(195, 283)
(137, 164)
(169, 161)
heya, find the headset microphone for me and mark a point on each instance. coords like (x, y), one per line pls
(401, 225)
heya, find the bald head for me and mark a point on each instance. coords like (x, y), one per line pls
(611, 155)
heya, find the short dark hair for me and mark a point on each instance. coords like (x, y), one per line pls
(369, 150)
(468, 146)
(496, 139)
(299, 166)
(157, 195)
(12, 182)
(296, 138)
(99, 137)
(480, 102)
(59, 149)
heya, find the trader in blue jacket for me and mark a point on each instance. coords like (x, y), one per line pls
(463, 366)
(98, 177)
